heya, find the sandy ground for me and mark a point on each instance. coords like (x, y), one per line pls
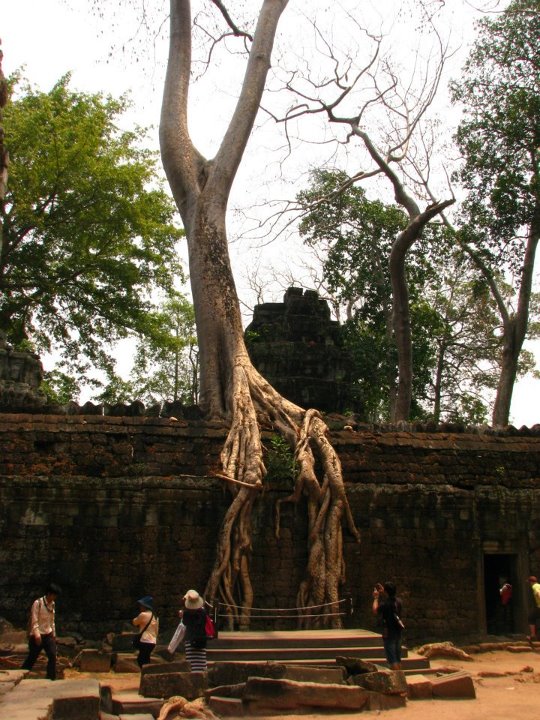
(507, 688)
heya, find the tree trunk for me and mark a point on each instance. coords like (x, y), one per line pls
(514, 327)
(402, 326)
(230, 387)
(507, 377)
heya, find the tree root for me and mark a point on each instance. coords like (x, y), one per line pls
(255, 401)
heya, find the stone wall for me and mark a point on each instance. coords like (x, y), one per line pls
(117, 507)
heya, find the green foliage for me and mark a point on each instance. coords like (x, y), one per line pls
(59, 387)
(279, 460)
(89, 233)
(500, 134)
(356, 235)
(165, 361)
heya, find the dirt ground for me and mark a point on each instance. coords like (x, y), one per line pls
(507, 688)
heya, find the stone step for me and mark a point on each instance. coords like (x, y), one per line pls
(293, 653)
(307, 647)
(38, 699)
(304, 638)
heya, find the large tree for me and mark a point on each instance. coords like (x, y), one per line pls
(454, 340)
(230, 387)
(88, 231)
(499, 138)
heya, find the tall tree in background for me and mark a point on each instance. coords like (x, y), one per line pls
(499, 138)
(88, 232)
(356, 236)
(230, 387)
(453, 321)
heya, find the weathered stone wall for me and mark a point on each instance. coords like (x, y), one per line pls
(114, 508)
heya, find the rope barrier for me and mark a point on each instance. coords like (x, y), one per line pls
(297, 609)
(295, 616)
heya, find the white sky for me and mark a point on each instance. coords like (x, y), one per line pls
(52, 37)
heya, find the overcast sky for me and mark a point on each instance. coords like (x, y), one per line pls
(52, 37)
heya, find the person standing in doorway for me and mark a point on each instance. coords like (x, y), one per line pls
(149, 630)
(534, 615)
(388, 608)
(505, 594)
(42, 631)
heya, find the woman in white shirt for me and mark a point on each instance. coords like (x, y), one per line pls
(149, 629)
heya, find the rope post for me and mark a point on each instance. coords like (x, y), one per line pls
(215, 613)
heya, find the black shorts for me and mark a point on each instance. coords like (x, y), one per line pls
(534, 616)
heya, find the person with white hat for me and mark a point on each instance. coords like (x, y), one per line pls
(194, 618)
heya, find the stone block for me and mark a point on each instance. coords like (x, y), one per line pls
(94, 661)
(233, 673)
(379, 702)
(226, 706)
(304, 673)
(419, 687)
(387, 682)
(268, 694)
(136, 716)
(190, 685)
(107, 716)
(455, 685)
(161, 668)
(130, 703)
(124, 663)
(75, 700)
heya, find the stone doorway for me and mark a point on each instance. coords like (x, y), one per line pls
(498, 569)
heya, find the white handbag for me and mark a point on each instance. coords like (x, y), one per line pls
(177, 637)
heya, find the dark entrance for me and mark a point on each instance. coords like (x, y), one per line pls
(498, 569)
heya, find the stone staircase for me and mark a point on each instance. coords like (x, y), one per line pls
(313, 647)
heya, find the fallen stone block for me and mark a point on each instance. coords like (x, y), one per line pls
(136, 716)
(94, 661)
(190, 685)
(456, 685)
(378, 702)
(78, 706)
(169, 667)
(130, 703)
(270, 694)
(226, 706)
(233, 673)
(304, 673)
(387, 682)
(124, 663)
(419, 687)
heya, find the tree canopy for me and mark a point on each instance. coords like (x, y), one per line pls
(89, 232)
(453, 318)
(499, 141)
